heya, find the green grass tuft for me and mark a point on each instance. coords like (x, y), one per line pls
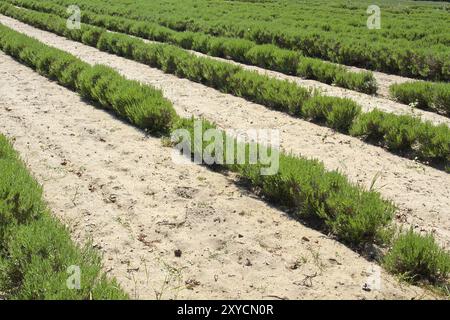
(417, 258)
(433, 96)
(35, 248)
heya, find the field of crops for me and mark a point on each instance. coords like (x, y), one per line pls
(334, 31)
(357, 166)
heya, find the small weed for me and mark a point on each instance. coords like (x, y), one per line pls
(418, 258)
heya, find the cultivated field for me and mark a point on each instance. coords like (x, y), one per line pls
(273, 149)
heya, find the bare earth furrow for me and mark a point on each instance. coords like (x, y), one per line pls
(384, 80)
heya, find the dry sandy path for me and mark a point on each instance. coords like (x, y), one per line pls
(384, 80)
(421, 192)
(109, 182)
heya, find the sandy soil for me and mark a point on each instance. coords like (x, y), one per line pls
(111, 183)
(384, 80)
(421, 193)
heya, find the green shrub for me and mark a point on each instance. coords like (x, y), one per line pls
(279, 95)
(39, 255)
(271, 57)
(235, 49)
(143, 106)
(91, 36)
(424, 95)
(434, 142)
(400, 132)
(337, 114)
(20, 197)
(213, 73)
(57, 69)
(329, 73)
(369, 126)
(201, 43)
(358, 81)
(184, 40)
(314, 69)
(417, 258)
(403, 133)
(353, 215)
(68, 76)
(35, 249)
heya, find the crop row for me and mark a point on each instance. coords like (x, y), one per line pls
(432, 96)
(357, 46)
(352, 214)
(400, 21)
(35, 248)
(240, 50)
(401, 134)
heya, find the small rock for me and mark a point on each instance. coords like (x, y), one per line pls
(177, 253)
(366, 287)
(334, 261)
